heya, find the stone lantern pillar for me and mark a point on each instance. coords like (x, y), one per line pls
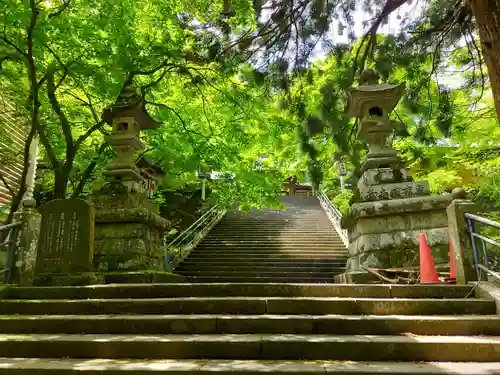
(391, 210)
(128, 230)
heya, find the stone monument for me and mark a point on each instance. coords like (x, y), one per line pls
(66, 243)
(390, 210)
(129, 231)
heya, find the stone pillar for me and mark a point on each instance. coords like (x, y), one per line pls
(25, 246)
(463, 255)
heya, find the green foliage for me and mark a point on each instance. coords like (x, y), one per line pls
(343, 200)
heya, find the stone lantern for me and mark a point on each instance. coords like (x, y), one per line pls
(372, 103)
(128, 230)
(391, 211)
(128, 117)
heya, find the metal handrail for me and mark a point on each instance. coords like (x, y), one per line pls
(184, 243)
(482, 261)
(10, 242)
(335, 217)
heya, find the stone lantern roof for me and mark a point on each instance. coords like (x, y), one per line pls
(130, 104)
(373, 96)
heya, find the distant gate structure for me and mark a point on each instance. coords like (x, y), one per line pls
(291, 187)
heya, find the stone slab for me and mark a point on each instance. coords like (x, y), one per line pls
(247, 324)
(250, 305)
(398, 240)
(25, 366)
(399, 222)
(398, 206)
(173, 290)
(137, 346)
(378, 306)
(399, 190)
(66, 243)
(186, 305)
(276, 347)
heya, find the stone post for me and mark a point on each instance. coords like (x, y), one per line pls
(463, 255)
(25, 243)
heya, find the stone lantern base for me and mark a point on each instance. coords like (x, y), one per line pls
(385, 224)
(128, 230)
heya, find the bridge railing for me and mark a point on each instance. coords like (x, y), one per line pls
(334, 215)
(182, 245)
(485, 235)
(10, 233)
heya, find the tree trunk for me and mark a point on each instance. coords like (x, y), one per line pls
(487, 14)
(61, 179)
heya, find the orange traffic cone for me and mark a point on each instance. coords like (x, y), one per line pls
(428, 272)
(453, 273)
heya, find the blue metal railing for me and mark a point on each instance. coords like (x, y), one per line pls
(9, 243)
(485, 248)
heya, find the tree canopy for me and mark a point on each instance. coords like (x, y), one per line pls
(253, 90)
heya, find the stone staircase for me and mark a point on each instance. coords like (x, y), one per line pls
(298, 244)
(249, 329)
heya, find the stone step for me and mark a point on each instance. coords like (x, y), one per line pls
(283, 221)
(269, 255)
(251, 305)
(272, 234)
(221, 239)
(300, 229)
(435, 291)
(271, 272)
(265, 324)
(255, 346)
(42, 366)
(256, 279)
(185, 267)
(267, 251)
(258, 264)
(247, 238)
(291, 237)
(324, 226)
(275, 244)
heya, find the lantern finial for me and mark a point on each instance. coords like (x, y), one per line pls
(368, 77)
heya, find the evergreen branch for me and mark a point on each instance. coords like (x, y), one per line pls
(220, 91)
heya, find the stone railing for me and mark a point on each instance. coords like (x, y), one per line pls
(335, 216)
